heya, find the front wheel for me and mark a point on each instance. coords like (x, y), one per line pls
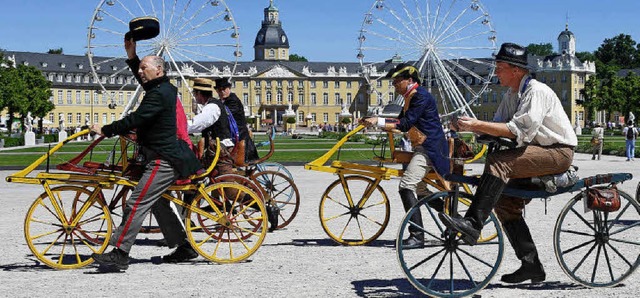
(596, 248)
(354, 210)
(63, 230)
(446, 266)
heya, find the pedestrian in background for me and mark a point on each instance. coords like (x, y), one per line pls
(597, 140)
(631, 134)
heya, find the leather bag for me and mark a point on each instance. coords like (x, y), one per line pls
(605, 199)
(416, 136)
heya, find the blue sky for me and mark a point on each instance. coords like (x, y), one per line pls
(326, 30)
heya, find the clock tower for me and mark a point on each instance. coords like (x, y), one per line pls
(271, 44)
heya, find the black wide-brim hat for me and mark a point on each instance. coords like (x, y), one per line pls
(143, 28)
(513, 54)
(222, 83)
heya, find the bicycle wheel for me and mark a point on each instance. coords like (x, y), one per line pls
(596, 248)
(354, 210)
(226, 234)
(280, 191)
(442, 39)
(446, 266)
(61, 233)
(273, 166)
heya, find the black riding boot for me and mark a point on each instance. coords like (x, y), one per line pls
(520, 238)
(416, 235)
(487, 194)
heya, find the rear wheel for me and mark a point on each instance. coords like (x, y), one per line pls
(226, 228)
(596, 248)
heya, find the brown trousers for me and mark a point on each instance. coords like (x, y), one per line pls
(525, 162)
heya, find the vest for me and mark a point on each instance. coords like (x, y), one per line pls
(219, 129)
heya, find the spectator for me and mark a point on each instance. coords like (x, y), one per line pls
(631, 134)
(597, 140)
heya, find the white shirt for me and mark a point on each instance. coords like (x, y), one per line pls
(536, 116)
(598, 132)
(208, 116)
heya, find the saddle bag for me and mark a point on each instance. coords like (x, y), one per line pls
(606, 199)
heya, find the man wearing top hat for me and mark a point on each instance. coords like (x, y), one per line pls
(166, 159)
(532, 115)
(231, 100)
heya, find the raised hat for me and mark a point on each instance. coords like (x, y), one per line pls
(203, 84)
(222, 83)
(513, 54)
(143, 28)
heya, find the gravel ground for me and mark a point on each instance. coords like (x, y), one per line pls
(298, 261)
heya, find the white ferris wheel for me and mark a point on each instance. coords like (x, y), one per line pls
(197, 38)
(450, 42)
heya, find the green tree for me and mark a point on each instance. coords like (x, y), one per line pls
(625, 93)
(541, 49)
(57, 51)
(24, 89)
(586, 56)
(619, 51)
(37, 93)
(295, 57)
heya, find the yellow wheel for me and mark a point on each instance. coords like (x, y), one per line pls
(228, 225)
(354, 210)
(63, 235)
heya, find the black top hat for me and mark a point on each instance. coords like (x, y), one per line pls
(143, 28)
(513, 54)
(222, 83)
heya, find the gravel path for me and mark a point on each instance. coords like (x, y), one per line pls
(298, 261)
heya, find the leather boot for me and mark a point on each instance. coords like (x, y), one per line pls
(416, 235)
(487, 194)
(273, 212)
(520, 238)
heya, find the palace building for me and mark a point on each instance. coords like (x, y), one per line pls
(271, 85)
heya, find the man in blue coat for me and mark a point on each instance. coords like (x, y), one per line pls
(419, 117)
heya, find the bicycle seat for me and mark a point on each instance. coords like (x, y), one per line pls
(501, 141)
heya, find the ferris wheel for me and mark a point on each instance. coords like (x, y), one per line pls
(450, 42)
(197, 38)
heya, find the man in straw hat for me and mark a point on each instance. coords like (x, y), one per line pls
(213, 123)
(419, 117)
(532, 114)
(167, 158)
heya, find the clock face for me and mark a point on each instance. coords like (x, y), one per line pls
(260, 37)
(283, 38)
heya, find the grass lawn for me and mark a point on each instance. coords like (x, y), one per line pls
(286, 150)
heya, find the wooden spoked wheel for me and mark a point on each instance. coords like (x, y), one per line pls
(228, 233)
(64, 229)
(354, 210)
(279, 190)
